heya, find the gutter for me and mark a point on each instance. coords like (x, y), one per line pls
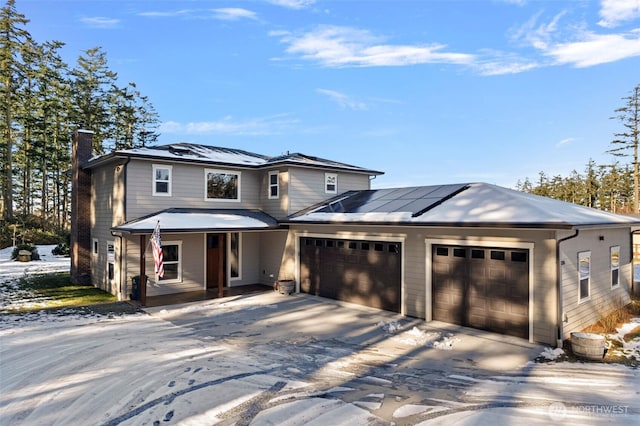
(559, 289)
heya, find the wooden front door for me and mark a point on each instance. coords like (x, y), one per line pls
(215, 262)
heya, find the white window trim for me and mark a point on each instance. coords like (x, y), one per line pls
(583, 255)
(111, 259)
(165, 262)
(95, 247)
(615, 267)
(276, 185)
(153, 183)
(225, 172)
(327, 176)
(239, 277)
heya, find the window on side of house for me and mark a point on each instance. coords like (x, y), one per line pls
(274, 185)
(111, 260)
(330, 183)
(234, 255)
(584, 275)
(95, 247)
(615, 266)
(221, 185)
(171, 262)
(162, 180)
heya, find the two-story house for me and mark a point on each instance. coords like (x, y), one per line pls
(473, 254)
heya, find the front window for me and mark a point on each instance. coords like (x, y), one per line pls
(615, 266)
(330, 183)
(222, 186)
(274, 185)
(171, 261)
(234, 255)
(584, 273)
(161, 180)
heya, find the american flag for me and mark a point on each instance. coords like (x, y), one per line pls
(156, 247)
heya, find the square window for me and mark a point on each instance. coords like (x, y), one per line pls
(497, 255)
(222, 186)
(477, 254)
(442, 251)
(161, 180)
(459, 252)
(330, 183)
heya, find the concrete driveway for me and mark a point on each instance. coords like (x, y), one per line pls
(299, 319)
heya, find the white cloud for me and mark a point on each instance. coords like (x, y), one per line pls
(233, 13)
(334, 47)
(614, 12)
(343, 100)
(223, 14)
(565, 141)
(293, 4)
(100, 22)
(595, 49)
(229, 126)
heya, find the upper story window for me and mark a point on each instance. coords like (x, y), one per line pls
(161, 180)
(330, 183)
(274, 185)
(222, 185)
(615, 266)
(584, 274)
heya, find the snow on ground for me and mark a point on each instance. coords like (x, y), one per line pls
(139, 369)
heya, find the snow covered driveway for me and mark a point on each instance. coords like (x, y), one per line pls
(290, 360)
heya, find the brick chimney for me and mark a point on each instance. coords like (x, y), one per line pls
(81, 152)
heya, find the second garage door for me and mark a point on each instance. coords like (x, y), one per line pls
(485, 288)
(363, 272)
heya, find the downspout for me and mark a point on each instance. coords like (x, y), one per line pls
(559, 289)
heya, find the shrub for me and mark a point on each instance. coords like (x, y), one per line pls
(62, 249)
(29, 247)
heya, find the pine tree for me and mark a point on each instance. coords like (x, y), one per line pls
(626, 142)
(12, 37)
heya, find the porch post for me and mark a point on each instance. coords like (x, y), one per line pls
(221, 271)
(143, 272)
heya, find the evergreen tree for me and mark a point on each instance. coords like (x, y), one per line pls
(626, 142)
(13, 37)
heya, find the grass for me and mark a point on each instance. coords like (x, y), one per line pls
(55, 291)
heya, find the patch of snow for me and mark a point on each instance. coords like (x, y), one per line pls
(390, 327)
(412, 409)
(551, 353)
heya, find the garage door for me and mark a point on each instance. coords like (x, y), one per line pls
(363, 272)
(480, 287)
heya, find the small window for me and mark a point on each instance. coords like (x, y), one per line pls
(95, 247)
(111, 260)
(518, 256)
(161, 180)
(319, 243)
(615, 266)
(234, 255)
(497, 255)
(459, 252)
(378, 247)
(340, 244)
(308, 242)
(394, 248)
(330, 243)
(442, 251)
(477, 254)
(222, 186)
(353, 245)
(364, 246)
(584, 274)
(330, 183)
(274, 185)
(171, 261)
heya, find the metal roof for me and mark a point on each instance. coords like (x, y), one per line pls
(470, 205)
(178, 220)
(213, 155)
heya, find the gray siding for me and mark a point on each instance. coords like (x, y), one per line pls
(107, 210)
(602, 297)
(187, 189)
(279, 207)
(306, 186)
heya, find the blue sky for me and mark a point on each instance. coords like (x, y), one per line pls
(429, 91)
